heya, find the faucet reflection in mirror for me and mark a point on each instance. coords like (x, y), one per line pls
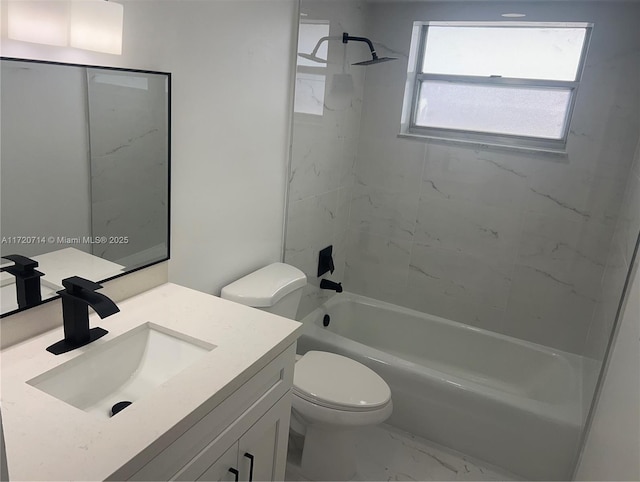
(27, 280)
(84, 24)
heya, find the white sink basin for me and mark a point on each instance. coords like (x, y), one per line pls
(123, 369)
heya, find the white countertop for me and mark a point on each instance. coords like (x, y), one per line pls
(63, 263)
(47, 439)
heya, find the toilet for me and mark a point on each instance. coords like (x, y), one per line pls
(332, 395)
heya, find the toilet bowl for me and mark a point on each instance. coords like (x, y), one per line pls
(332, 395)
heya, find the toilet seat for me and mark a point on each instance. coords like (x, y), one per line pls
(339, 383)
(312, 413)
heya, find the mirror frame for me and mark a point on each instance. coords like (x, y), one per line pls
(119, 69)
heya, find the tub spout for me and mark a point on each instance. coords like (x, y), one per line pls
(326, 284)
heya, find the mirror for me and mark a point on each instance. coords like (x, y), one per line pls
(84, 167)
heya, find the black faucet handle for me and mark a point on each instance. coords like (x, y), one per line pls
(325, 261)
(22, 265)
(75, 284)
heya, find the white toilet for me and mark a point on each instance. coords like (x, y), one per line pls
(332, 394)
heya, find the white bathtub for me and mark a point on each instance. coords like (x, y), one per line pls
(503, 400)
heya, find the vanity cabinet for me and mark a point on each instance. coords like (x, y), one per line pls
(222, 469)
(247, 433)
(259, 454)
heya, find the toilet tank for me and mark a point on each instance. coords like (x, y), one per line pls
(276, 288)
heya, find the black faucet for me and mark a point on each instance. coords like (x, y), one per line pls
(27, 279)
(326, 284)
(76, 299)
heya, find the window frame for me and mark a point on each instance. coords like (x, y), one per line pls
(487, 138)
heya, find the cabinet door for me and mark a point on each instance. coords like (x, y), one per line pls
(221, 470)
(263, 448)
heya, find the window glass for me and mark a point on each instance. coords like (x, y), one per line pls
(522, 52)
(311, 77)
(501, 83)
(496, 109)
(308, 37)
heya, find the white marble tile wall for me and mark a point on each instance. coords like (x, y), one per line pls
(618, 262)
(324, 152)
(129, 165)
(508, 241)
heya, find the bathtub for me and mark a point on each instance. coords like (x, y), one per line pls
(503, 400)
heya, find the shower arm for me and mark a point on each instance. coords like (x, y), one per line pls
(317, 47)
(346, 38)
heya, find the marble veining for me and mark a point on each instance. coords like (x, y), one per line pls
(561, 204)
(617, 264)
(500, 166)
(385, 453)
(128, 168)
(381, 212)
(129, 142)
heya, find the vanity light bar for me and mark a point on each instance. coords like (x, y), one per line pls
(41, 22)
(85, 24)
(96, 25)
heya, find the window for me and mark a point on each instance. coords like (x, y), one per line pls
(502, 83)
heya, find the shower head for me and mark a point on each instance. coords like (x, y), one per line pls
(313, 58)
(375, 60)
(374, 57)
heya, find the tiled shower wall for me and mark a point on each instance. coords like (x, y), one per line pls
(511, 242)
(616, 268)
(323, 154)
(117, 184)
(508, 241)
(617, 265)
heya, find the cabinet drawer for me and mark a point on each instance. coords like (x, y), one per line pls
(216, 429)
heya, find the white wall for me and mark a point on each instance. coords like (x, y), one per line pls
(612, 448)
(230, 62)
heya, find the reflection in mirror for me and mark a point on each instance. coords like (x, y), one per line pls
(84, 171)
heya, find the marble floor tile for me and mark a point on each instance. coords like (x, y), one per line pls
(386, 453)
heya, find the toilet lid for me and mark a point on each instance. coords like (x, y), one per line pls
(339, 382)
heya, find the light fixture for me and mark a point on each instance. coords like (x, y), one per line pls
(513, 15)
(42, 22)
(85, 24)
(96, 25)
